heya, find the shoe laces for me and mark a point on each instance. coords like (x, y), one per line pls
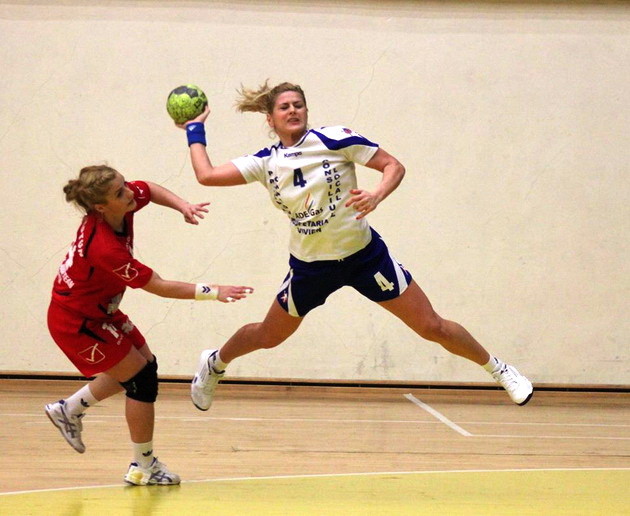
(507, 376)
(159, 471)
(211, 383)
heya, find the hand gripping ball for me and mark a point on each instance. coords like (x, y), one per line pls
(185, 103)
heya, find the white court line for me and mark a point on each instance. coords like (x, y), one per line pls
(203, 419)
(325, 475)
(107, 419)
(102, 418)
(437, 415)
(513, 436)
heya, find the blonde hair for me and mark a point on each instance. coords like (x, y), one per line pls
(264, 98)
(90, 187)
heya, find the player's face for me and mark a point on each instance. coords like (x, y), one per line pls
(289, 117)
(119, 199)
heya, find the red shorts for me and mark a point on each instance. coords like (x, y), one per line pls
(93, 346)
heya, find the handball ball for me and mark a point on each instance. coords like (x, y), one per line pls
(185, 103)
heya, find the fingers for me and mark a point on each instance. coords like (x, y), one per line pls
(357, 195)
(237, 293)
(362, 201)
(194, 211)
(199, 118)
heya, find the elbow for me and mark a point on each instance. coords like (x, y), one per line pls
(401, 171)
(203, 177)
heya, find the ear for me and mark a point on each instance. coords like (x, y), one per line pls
(270, 120)
(99, 207)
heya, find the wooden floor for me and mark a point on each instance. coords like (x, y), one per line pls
(304, 432)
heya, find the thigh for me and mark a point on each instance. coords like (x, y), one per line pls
(412, 307)
(133, 362)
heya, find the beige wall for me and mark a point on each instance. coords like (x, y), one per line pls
(511, 118)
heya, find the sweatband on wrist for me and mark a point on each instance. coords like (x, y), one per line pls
(196, 133)
(204, 292)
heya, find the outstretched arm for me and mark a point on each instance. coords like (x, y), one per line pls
(208, 174)
(164, 197)
(199, 291)
(393, 171)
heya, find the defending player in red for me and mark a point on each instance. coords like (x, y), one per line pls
(87, 325)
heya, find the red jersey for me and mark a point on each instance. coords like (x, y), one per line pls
(100, 265)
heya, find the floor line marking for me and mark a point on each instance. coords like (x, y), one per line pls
(516, 436)
(437, 415)
(203, 419)
(325, 475)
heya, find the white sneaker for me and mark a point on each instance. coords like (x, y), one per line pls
(69, 426)
(517, 386)
(157, 474)
(205, 381)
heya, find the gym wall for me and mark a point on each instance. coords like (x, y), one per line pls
(511, 118)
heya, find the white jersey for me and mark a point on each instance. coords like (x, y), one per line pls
(311, 183)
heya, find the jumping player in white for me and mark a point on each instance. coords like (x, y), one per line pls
(310, 175)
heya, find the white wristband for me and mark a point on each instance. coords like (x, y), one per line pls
(203, 292)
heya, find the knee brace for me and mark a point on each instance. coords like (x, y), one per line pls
(144, 385)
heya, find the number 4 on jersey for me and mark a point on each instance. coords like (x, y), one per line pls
(298, 178)
(382, 282)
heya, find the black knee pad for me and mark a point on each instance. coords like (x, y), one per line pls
(143, 386)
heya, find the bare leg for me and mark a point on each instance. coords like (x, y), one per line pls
(104, 386)
(277, 326)
(140, 414)
(415, 310)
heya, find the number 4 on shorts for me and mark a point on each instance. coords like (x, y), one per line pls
(382, 282)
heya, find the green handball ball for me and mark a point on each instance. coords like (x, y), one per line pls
(185, 103)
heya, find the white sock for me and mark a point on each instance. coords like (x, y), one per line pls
(493, 365)
(143, 453)
(217, 364)
(80, 401)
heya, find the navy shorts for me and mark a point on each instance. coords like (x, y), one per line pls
(372, 271)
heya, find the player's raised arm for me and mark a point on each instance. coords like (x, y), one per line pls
(164, 197)
(207, 174)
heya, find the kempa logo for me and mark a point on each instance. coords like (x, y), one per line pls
(126, 272)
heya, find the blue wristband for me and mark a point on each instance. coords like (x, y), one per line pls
(196, 133)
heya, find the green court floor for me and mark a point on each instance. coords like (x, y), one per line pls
(588, 492)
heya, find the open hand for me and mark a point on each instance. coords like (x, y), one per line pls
(363, 201)
(230, 293)
(192, 212)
